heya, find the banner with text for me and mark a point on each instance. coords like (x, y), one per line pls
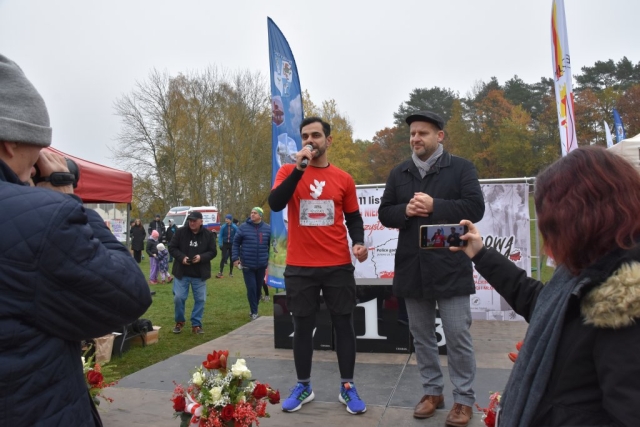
(286, 116)
(505, 227)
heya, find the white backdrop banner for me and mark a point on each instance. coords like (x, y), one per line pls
(505, 227)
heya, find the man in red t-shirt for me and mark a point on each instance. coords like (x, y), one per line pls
(320, 198)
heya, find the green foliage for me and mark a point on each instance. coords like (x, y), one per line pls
(511, 130)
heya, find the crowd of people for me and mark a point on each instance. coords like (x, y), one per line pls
(578, 363)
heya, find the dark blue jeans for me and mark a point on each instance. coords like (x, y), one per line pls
(253, 279)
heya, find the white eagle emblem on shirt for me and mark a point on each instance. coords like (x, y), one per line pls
(316, 190)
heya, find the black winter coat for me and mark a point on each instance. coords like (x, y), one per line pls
(595, 379)
(64, 277)
(137, 237)
(152, 247)
(453, 184)
(187, 244)
(159, 227)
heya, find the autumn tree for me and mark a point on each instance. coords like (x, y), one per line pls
(197, 139)
(629, 108)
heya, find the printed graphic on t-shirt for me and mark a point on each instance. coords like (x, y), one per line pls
(193, 243)
(316, 188)
(315, 213)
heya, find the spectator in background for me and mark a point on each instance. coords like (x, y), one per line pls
(138, 236)
(163, 264)
(265, 288)
(130, 234)
(64, 277)
(193, 248)
(225, 242)
(152, 251)
(171, 230)
(158, 226)
(251, 244)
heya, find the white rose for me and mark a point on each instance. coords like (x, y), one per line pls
(216, 393)
(197, 378)
(240, 370)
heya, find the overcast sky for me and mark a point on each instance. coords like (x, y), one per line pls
(367, 55)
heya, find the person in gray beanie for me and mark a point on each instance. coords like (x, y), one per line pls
(23, 114)
(64, 277)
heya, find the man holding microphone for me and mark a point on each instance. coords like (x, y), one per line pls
(320, 198)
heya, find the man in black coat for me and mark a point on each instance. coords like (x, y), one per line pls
(64, 277)
(434, 187)
(159, 226)
(193, 248)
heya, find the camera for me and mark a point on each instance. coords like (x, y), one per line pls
(60, 179)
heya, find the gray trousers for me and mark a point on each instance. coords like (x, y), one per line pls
(455, 314)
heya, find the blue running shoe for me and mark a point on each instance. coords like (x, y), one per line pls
(349, 396)
(300, 394)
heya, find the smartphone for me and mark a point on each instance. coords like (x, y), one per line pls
(442, 236)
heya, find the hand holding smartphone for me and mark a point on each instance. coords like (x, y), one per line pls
(442, 236)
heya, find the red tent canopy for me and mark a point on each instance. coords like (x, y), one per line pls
(100, 184)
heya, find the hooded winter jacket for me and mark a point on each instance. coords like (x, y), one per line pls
(595, 372)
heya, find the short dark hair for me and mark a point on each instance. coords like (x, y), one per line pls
(587, 205)
(326, 127)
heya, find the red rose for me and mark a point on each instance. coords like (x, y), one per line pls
(179, 403)
(94, 378)
(227, 413)
(274, 397)
(217, 360)
(490, 420)
(260, 391)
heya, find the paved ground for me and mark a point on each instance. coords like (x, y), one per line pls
(388, 383)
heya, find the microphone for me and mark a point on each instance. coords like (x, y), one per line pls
(305, 162)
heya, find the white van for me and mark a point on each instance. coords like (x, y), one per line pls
(210, 216)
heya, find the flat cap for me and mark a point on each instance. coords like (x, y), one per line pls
(426, 116)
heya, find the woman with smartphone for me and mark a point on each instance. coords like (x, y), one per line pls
(579, 364)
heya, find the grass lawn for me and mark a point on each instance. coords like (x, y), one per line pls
(226, 309)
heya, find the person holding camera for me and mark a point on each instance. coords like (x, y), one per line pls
(578, 365)
(193, 248)
(434, 187)
(64, 277)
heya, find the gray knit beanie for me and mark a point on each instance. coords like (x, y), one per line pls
(23, 114)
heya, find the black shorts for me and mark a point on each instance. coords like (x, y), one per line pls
(303, 285)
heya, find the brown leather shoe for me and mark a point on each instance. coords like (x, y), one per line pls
(459, 415)
(428, 405)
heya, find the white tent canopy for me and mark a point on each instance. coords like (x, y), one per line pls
(629, 149)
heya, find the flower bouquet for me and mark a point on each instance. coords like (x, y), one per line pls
(489, 413)
(94, 378)
(221, 397)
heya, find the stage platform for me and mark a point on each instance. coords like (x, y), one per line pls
(388, 383)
